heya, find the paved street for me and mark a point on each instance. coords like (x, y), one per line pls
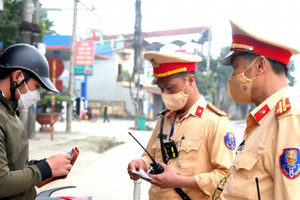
(102, 175)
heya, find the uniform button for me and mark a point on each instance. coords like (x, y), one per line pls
(187, 148)
(169, 163)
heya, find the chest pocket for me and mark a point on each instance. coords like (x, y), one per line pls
(245, 169)
(188, 145)
(188, 156)
(245, 161)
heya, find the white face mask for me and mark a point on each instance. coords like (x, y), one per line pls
(28, 99)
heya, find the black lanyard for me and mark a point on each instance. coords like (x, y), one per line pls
(179, 191)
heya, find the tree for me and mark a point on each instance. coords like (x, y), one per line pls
(291, 68)
(212, 84)
(45, 25)
(11, 18)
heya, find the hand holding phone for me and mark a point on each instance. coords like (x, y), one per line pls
(74, 154)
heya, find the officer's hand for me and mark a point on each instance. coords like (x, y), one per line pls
(135, 165)
(60, 164)
(167, 179)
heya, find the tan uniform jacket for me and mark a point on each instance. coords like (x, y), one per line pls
(200, 140)
(271, 152)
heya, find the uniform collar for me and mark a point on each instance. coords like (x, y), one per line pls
(262, 110)
(196, 110)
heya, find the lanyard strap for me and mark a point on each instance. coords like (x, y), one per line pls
(162, 121)
(179, 191)
(172, 130)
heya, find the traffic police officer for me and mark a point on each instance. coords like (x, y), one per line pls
(267, 164)
(200, 133)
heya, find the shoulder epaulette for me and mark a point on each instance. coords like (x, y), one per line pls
(282, 106)
(217, 110)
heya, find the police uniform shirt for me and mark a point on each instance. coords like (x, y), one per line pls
(271, 152)
(205, 145)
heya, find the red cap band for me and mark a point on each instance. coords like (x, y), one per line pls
(167, 69)
(245, 43)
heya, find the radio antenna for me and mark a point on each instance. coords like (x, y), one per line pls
(142, 147)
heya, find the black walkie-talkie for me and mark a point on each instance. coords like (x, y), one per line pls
(156, 168)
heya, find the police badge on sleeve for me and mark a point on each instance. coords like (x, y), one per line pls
(289, 162)
(229, 141)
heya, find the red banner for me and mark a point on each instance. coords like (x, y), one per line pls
(84, 53)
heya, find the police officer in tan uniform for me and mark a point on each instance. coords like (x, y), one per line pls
(267, 164)
(200, 132)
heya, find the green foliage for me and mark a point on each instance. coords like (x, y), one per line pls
(206, 83)
(291, 68)
(45, 25)
(45, 103)
(11, 18)
(125, 74)
(210, 83)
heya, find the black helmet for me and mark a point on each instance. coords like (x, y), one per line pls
(29, 58)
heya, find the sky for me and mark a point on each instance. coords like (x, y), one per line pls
(274, 19)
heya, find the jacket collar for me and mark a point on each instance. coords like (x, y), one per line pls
(262, 110)
(196, 110)
(11, 106)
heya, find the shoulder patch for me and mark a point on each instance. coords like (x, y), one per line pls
(289, 162)
(229, 141)
(282, 106)
(217, 110)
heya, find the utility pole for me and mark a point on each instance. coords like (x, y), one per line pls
(71, 70)
(138, 67)
(208, 51)
(30, 31)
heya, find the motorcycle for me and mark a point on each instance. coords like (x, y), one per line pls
(46, 195)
